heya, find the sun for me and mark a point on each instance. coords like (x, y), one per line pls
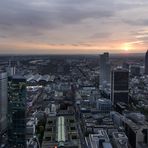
(126, 47)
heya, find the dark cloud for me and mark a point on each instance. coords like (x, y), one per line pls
(16, 13)
(35, 19)
(3, 36)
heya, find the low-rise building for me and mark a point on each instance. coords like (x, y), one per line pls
(120, 140)
(99, 140)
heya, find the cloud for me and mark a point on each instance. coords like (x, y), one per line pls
(15, 13)
(100, 35)
(134, 42)
(70, 21)
(138, 22)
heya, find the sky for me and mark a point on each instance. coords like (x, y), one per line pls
(73, 26)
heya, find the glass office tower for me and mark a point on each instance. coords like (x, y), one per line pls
(146, 63)
(104, 69)
(3, 102)
(119, 86)
(17, 112)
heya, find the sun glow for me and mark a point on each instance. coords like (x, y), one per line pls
(126, 47)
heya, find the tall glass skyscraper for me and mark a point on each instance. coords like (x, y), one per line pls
(104, 69)
(146, 63)
(3, 102)
(17, 112)
(119, 86)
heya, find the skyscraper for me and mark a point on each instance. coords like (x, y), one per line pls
(119, 86)
(104, 69)
(3, 101)
(17, 112)
(11, 69)
(146, 63)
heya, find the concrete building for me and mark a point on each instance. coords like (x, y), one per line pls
(31, 137)
(119, 86)
(3, 102)
(117, 119)
(103, 105)
(33, 143)
(136, 117)
(120, 140)
(99, 140)
(30, 128)
(137, 132)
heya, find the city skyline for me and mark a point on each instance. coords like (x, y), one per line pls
(74, 101)
(73, 27)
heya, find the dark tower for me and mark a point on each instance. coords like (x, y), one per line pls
(146, 63)
(119, 86)
(3, 102)
(17, 112)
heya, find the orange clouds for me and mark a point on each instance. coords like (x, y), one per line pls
(79, 48)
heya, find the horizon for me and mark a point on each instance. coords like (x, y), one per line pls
(71, 54)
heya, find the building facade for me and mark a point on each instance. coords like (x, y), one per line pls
(119, 86)
(99, 140)
(3, 102)
(104, 69)
(120, 140)
(17, 112)
(104, 105)
(146, 63)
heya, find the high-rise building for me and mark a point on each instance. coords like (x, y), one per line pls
(11, 69)
(104, 69)
(146, 63)
(3, 102)
(119, 86)
(17, 112)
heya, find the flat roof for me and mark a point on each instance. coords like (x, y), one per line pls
(119, 135)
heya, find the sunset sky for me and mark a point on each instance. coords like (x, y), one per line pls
(73, 26)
